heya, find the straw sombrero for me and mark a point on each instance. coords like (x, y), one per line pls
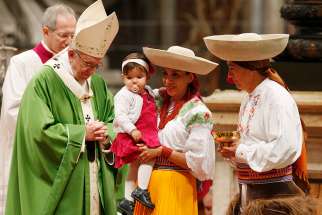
(247, 46)
(179, 58)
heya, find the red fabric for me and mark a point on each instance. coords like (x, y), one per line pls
(164, 117)
(124, 147)
(203, 188)
(166, 152)
(43, 54)
(229, 79)
(244, 172)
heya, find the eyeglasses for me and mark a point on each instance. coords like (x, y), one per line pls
(62, 35)
(89, 65)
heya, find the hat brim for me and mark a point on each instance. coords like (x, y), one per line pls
(175, 61)
(224, 47)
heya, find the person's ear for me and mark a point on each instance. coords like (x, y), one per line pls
(71, 53)
(191, 77)
(45, 30)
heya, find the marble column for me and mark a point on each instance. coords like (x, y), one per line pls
(305, 19)
(5, 53)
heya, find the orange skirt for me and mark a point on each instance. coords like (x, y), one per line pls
(172, 192)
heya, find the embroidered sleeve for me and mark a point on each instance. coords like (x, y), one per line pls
(196, 114)
(200, 150)
(201, 118)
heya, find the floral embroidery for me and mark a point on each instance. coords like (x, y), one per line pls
(199, 118)
(207, 116)
(189, 105)
(254, 102)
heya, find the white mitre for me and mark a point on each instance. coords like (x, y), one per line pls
(95, 31)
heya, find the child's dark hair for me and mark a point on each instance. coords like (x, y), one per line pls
(131, 65)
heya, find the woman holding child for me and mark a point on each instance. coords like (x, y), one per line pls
(187, 149)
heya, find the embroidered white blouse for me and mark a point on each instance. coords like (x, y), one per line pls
(190, 132)
(127, 108)
(270, 128)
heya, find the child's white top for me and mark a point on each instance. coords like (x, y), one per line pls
(127, 107)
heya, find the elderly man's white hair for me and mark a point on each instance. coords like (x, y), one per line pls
(50, 15)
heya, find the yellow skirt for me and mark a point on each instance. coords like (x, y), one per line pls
(172, 192)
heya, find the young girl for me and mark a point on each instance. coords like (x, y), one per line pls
(135, 123)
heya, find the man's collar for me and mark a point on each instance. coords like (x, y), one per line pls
(46, 47)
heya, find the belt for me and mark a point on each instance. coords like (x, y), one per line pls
(164, 163)
(246, 175)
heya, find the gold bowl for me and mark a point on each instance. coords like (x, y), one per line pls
(225, 138)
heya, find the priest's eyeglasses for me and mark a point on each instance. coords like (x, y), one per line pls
(89, 65)
(61, 34)
(64, 36)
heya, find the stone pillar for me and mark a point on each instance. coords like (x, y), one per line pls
(257, 16)
(168, 17)
(271, 17)
(304, 56)
(301, 62)
(5, 53)
(224, 186)
(305, 17)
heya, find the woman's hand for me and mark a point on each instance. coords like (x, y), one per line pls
(228, 151)
(147, 153)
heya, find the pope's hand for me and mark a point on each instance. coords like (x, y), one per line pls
(95, 131)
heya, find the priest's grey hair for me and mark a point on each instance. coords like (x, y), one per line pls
(50, 15)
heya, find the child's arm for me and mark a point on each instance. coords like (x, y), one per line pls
(136, 135)
(122, 104)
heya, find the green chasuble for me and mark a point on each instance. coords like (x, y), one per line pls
(49, 173)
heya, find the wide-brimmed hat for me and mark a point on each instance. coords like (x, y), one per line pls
(179, 58)
(247, 46)
(95, 31)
